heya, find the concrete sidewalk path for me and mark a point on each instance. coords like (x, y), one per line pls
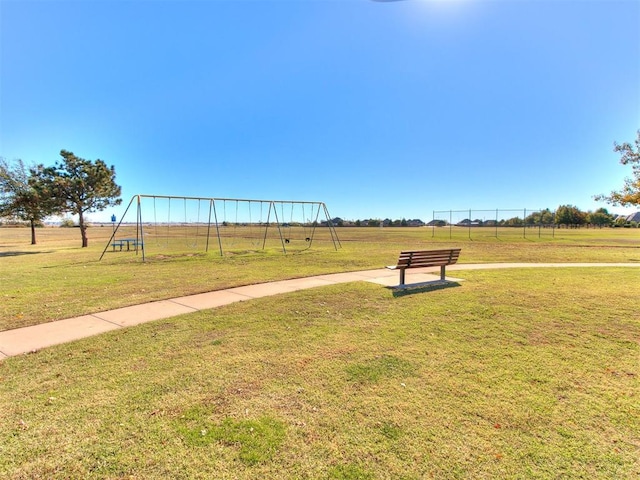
(30, 339)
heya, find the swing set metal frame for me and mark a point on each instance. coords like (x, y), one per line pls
(213, 220)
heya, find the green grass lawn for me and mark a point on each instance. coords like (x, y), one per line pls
(524, 373)
(57, 279)
(511, 374)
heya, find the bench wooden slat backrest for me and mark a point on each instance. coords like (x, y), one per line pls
(427, 258)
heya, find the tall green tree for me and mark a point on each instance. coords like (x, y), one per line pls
(629, 195)
(543, 217)
(570, 215)
(22, 196)
(513, 222)
(80, 186)
(600, 218)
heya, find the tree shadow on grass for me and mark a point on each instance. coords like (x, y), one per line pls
(423, 287)
(18, 253)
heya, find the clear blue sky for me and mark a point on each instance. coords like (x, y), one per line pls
(379, 109)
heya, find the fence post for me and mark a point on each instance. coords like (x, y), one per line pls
(450, 225)
(433, 224)
(540, 224)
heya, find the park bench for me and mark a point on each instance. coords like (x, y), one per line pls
(425, 258)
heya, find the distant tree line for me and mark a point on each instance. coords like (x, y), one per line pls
(564, 216)
(376, 222)
(78, 186)
(567, 216)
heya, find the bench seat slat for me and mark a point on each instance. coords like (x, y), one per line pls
(430, 258)
(427, 258)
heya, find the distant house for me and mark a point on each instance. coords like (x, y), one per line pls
(634, 217)
(437, 223)
(468, 223)
(336, 222)
(415, 223)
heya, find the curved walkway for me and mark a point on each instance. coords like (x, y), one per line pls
(30, 339)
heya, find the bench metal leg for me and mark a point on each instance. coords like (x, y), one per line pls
(402, 276)
(442, 277)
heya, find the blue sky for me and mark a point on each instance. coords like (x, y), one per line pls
(378, 109)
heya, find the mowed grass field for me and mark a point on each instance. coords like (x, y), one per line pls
(57, 279)
(518, 373)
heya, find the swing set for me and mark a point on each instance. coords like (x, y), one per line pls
(231, 224)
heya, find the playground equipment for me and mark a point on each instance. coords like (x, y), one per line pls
(174, 223)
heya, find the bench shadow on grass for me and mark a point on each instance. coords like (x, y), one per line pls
(423, 287)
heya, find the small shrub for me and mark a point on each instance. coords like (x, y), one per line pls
(67, 223)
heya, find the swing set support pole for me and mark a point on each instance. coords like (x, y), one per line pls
(116, 229)
(140, 237)
(314, 225)
(206, 246)
(275, 210)
(266, 228)
(332, 230)
(215, 216)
